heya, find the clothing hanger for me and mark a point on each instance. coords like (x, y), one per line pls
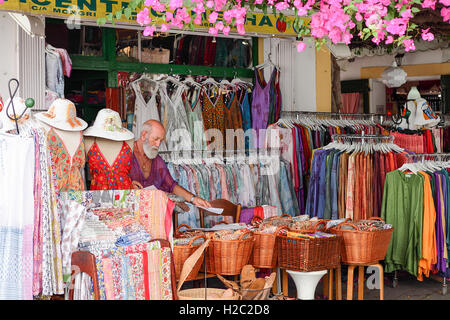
(266, 63)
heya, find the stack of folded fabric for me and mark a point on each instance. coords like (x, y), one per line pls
(133, 233)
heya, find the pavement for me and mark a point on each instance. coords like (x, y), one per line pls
(407, 287)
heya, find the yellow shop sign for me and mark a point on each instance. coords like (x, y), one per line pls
(94, 9)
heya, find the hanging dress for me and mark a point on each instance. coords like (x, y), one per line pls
(195, 120)
(175, 120)
(144, 110)
(261, 100)
(67, 168)
(213, 118)
(110, 177)
(233, 120)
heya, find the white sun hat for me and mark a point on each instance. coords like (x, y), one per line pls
(62, 114)
(6, 123)
(108, 125)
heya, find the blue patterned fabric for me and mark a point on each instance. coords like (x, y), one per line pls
(11, 263)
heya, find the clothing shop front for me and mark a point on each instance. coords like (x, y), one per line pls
(150, 166)
(97, 205)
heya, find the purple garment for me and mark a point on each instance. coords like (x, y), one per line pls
(247, 215)
(439, 233)
(159, 175)
(260, 107)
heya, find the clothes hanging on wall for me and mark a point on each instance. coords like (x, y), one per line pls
(196, 114)
(57, 65)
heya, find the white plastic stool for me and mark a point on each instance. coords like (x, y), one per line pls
(306, 282)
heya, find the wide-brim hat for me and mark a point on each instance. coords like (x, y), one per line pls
(62, 114)
(108, 125)
(6, 123)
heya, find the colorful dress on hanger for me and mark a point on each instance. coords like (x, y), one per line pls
(67, 168)
(233, 120)
(261, 102)
(110, 177)
(213, 118)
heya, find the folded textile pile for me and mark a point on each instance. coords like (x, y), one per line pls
(111, 213)
(229, 234)
(96, 234)
(132, 238)
(309, 236)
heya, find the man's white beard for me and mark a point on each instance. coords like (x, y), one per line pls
(150, 152)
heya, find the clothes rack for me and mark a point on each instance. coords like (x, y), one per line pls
(435, 162)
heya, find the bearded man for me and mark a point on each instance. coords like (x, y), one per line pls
(149, 169)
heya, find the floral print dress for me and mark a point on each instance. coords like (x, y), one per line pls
(110, 177)
(67, 168)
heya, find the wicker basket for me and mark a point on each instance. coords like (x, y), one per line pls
(306, 255)
(182, 252)
(227, 257)
(199, 293)
(361, 247)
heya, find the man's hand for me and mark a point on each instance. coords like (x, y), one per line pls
(199, 202)
(137, 185)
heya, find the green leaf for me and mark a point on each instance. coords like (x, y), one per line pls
(118, 15)
(109, 16)
(127, 12)
(101, 21)
(415, 10)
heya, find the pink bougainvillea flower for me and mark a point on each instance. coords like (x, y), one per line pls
(282, 5)
(301, 46)
(226, 30)
(143, 17)
(445, 2)
(427, 36)
(445, 13)
(212, 18)
(409, 45)
(149, 31)
(175, 4)
(164, 27)
(429, 4)
(389, 39)
(213, 31)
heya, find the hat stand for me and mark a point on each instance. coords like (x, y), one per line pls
(29, 103)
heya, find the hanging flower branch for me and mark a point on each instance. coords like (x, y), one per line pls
(382, 21)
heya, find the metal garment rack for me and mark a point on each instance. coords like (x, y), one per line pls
(336, 115)
(362, 136)
(416, 157)
(428, 156)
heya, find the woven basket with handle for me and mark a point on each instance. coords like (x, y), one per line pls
(227, 257)
(265, 251)
(307, 255)
(182, 252)
(359, 246)
(199, 293)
